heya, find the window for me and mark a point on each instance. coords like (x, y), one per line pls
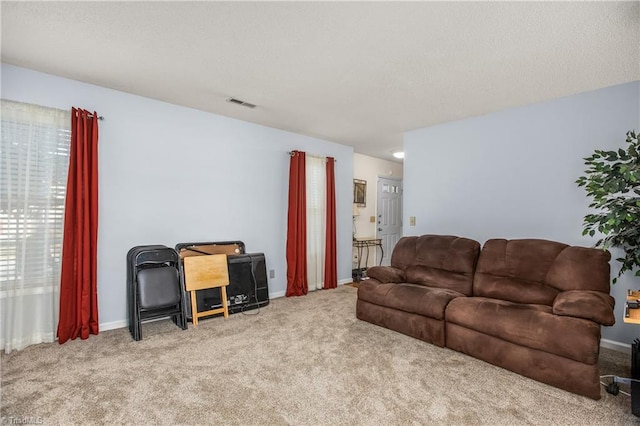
(34, 159)
(316, 218)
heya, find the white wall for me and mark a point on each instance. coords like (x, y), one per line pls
(170, 174)
(511, 174)
(369, 169)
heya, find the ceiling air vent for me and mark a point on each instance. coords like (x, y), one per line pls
(239, 102)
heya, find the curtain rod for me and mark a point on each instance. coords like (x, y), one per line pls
(99, 117)
(312, 155)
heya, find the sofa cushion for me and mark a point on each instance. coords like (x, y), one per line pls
(591, 305)
(404, 253)
(532, 326)
(513, 289)
(580, 268)
(434, 277)
(386, 274)
(535, 271)
(443, 261)
(412, 298)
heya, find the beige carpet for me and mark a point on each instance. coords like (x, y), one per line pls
(301, 361)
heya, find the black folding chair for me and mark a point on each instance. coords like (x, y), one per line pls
(153, 287)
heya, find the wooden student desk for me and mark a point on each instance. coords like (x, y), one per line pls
(634, 314)
(634, 318)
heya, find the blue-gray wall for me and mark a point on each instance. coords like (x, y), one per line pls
(511, 174)
(170, 174)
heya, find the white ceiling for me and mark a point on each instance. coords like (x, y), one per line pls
(354, 73)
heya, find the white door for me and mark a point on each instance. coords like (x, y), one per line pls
(389, 215)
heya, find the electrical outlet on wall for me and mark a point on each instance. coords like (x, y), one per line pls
(412, 221)
(372, 219)
(272, 273)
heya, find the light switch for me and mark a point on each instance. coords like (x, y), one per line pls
(412, 221)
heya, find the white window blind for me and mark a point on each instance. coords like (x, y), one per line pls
(316, 208)
(34, 160)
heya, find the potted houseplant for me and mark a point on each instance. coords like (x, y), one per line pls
(612, 180)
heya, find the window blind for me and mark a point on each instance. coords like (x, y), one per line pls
(34, 153)
(316, 207)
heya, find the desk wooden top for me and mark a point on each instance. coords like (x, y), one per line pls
(201, 272)
(634, 314)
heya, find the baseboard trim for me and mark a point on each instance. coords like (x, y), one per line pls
(283, 293)
(105, 326)
(124, 323)
(277, 294)
(616, 346)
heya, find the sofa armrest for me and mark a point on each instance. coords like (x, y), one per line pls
(592, 305)
(386, 274)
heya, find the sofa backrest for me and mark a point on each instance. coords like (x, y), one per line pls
(443, 261)
(535, 271)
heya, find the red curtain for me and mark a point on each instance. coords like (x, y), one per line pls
(330, 266)
(297, 227)
(78, 287)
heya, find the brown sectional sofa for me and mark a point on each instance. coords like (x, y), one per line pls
(531, 306)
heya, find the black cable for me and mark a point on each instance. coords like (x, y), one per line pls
(255, 292)
(614, 388)
(619, 379)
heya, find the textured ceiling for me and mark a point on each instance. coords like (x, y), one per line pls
(354, 73)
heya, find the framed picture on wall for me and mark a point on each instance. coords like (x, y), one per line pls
(360, 192)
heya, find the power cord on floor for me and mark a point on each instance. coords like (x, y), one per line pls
(613, 388)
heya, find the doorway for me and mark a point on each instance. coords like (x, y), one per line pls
(389, 215)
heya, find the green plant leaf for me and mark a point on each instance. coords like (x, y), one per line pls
(611, 180)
